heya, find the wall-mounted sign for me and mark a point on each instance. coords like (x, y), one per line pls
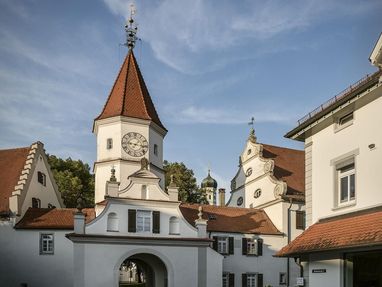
(300, 281)
(318, 270)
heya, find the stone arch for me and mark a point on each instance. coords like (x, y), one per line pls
(136, 252)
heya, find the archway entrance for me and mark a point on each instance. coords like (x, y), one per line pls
(143, 270)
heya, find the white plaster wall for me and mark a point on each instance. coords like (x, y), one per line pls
(332, 277)
(108, 158)
(21, 263)
(276, 213)
(45, 193)
(99, 225)
(181, 263)
(214, 268)
(329, 145)
(266, 264)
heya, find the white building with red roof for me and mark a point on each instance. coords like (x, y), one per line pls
(343, 140)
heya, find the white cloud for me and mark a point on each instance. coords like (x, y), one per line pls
(180, 30)
(205, 115)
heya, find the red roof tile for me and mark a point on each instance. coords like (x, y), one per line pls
(231, 219)
(12, 162)
(129, 96)
(357, 229)
(52, 218)
(289, 166)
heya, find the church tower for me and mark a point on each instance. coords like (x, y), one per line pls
(128, 128)
(209, 186)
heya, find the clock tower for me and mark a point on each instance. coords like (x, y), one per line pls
(128, 127)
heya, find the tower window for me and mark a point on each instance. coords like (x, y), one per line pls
(41, 178)
(109, 143)
(36, 203)
(155, 149)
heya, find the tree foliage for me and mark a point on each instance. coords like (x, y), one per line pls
(185, 180)
(73, 177)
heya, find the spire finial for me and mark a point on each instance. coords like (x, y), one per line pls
(200, 213)
(252, 136)
(112, 177)
(131, 29)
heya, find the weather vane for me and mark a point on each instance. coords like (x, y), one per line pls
(252, 123)
(131, 29)
(252, 135)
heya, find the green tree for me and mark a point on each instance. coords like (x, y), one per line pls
(185, 180)
(73, 177)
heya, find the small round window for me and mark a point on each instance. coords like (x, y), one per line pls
(257, 193)
(249, 151)
(248, 172)
(240, 201)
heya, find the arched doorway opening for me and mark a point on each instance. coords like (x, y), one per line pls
(143, 270)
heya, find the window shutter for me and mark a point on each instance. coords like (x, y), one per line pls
(230, 245)
(244, 246)
(259, 280)
(300, 222)
(215, 243)
(244, 280)
(156, 222)
(132, 220)
(259, 247)
(231, 280)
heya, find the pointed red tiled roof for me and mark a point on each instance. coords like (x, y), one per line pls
(352, 230)
(12, 162)
(129, 96)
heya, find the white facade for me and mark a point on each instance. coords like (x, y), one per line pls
(115, 129)
(343, 163)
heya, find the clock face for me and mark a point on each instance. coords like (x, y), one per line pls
(134, 144)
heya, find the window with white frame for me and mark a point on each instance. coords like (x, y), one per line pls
(344, 121)
(222, 245)
(252, 247)
(251, 280)
(46, 243)
(225, 279)
(346, 182)
(143, 221)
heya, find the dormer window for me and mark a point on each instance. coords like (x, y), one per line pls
(41, 178)
(344, 121)
(156, 149)
(109, 143)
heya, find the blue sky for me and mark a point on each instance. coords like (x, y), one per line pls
(209, 65)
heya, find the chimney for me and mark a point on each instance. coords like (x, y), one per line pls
(222, 196)
(201, 224)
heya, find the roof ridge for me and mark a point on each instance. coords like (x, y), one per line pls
(112, 88)
(140, 83)
(298, 150)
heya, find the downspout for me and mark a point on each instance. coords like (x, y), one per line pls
(298, 262)
(289, 238)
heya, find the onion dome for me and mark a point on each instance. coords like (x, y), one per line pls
(209, 182)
